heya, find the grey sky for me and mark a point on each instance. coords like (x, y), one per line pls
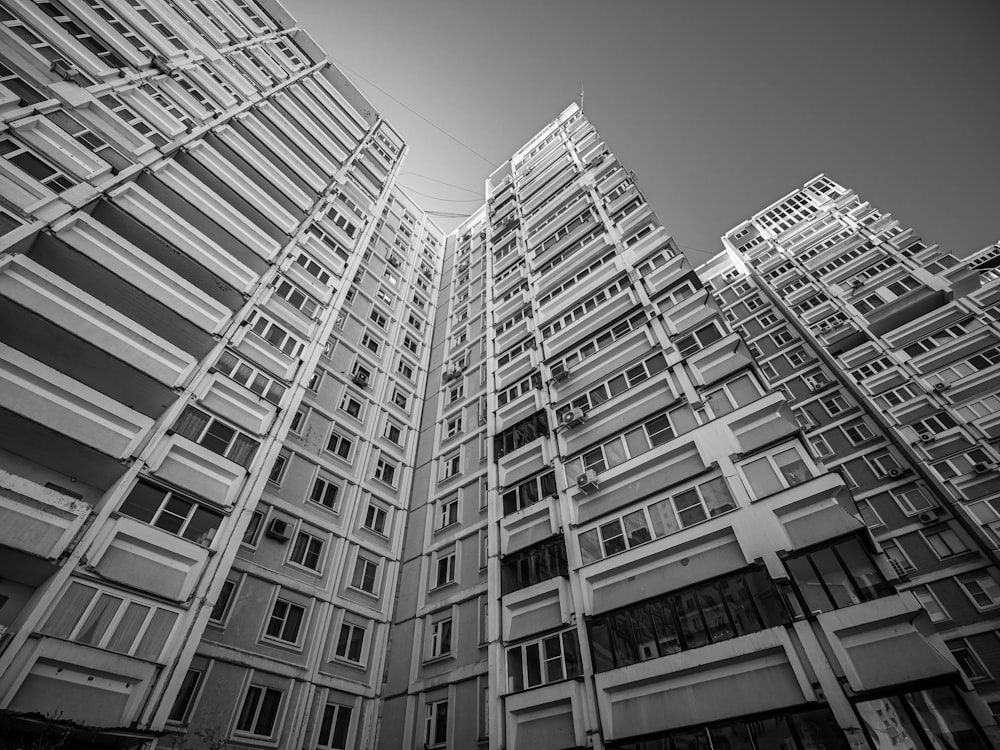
(720, 107)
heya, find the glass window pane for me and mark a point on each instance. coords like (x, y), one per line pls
(202, 526)
(717, 497)
(636, 530)
(818, 730)
(773, 732)
(689, 616)
(590, 547)
(615, 453)
(835, 577)
(719, 402)
(636, 441)
(600, 645)
(763, 481)
(626, 647)
(614, 539)
(128, 627)
(534, 663)
(663, 519)
(98, 619)
(869, 581)
(808, 585)
(665, 625)
(644, 631)
(689, 507)
(732, 736)
(793, 469)
(889, 725)
(66, 616)
(741, 606)
(515, 669)
(945, 719)
(719, 626)
(156, 634)
(143, 501)
(743, 390)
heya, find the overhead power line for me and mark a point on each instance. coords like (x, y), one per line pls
(442, 182)
(413, 111)
(446, 200)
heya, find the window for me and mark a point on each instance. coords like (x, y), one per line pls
(520, 434)
(456, 392)
(313, 268)
(436, 728)
(275, 335)
(451, 465)
(836, 575)
(220, 610)
(835, 404)
(453, 426)
(820, 447)
(279, 466)
(931, 603)
(298, 421)
(334, 727)
(405, 369)
(260, 711)
(365, 575)
(375, 518)
(285, 622)
(775, 472)
(797, 357)
(296, 297)
(445, 570)
(379, 318)
(216, 436)
(529, 492)
(315, 379)
(897, 557)
(111, 620)
(410, 343)
(441, 637)
(252, 534)
(307, 551)
(732, 395)
(540, 562)
(869, 515)
(543, 661)
(171, 512)
(447, 512)
(34, 166)
(181, 710)
(351, 641)
(858, 431)
(685, 508)
(401, 399)
(372, 344)
(945, 543)
(339, 445)
(904, 718)
(351, 405)
(912, 500)
(386, 471)
(325, 493)
(968, 660)
(738, 604)
(387, 297)
(701, 338)
(981, 588)
(782, 337)
(393, 432)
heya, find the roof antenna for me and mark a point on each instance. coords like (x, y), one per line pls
(581, 98)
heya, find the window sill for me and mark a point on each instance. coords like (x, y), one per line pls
(442, 586)
(437, 659)
(284, 645)
(305, 569)
(369, 594)
(344, 661)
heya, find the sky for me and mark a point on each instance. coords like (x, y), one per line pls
(719, 106)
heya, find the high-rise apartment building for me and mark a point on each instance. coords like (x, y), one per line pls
(284, 465)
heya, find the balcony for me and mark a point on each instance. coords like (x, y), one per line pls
(282, 152)
(173, 228)
(52, 298)
(703, 685)
(547, 717)
(885, 642)
(77, 683)
(197, 470)
(49, 398)
(35, 521)
(284, 127)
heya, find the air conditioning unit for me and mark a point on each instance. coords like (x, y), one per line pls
(814, 383)
(560, 371)
(573, 417)
(894, 473)
(360, 379)
(394, 261)
(587, 481)
(926, 437)
(482, 235)
(940, 387)
(984, 467)
(928, 516)
(453, 371)
(279, 529)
